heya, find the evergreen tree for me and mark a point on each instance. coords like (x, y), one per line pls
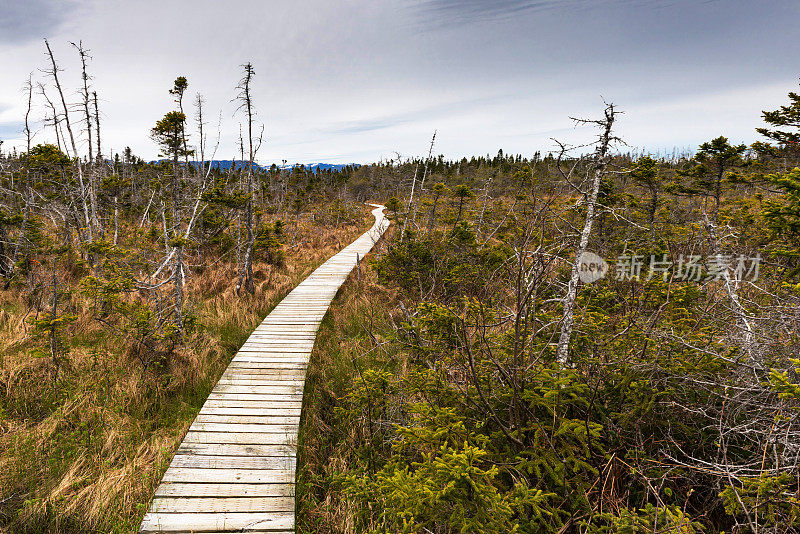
(785, 116)
(645, 173)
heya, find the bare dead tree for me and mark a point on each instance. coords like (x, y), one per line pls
(411, 211)
(594, 175)
(85, 105)
(410, 202)
(24, 189)
(84, 55)
(486, 187)
(97, 127)
(28, 133)
(53, 119)
(204, 169)
(78, 166)
(425, 173)
(245, 99)
(198, 104)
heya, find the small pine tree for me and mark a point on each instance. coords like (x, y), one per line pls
(785, 116)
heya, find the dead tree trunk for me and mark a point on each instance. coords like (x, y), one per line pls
(486, 187)
(437, 193)
(246, 103)
(84, 54)
(79, 167)
(412, 208)
(97, 128)
(56, 121)
(596, 171)
(743, 319)
(7, 262)
(410, 202)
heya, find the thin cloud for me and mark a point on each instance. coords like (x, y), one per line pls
(447, 12)
(29, 20)
(367, 125)
(11, 130)
(438, 111)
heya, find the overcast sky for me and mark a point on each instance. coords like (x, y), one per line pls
(358, 80)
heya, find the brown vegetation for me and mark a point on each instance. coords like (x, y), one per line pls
(84, 450)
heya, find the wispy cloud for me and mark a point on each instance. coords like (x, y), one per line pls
(436, 111)
(465, 10)
(446, 12)
(11, 130)
(22, 21)
(367, 125)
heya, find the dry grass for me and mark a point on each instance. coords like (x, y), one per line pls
(84, 444)
(351, 339)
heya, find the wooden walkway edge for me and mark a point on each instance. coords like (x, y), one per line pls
(235, 469)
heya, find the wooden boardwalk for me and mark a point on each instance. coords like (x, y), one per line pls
(235, 469)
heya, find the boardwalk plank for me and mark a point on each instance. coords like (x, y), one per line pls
(225, 522)
(231, 449)
(233, 476)
(196, 489)
(233, 403)
(247, 438)
(248, 419)
(199, 461)
(223, 504)
(265, 411)
(244, 428)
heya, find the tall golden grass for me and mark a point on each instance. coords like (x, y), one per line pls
(83, 446)
(350, 339)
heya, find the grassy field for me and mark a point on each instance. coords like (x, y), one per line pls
(85, 440)
(352, 338)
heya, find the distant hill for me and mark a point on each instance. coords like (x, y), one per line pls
(226, 164)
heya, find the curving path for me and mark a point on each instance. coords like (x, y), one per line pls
(235, 469)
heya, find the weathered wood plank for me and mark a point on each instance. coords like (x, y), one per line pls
(273, 349)
(223, 504)
(243, 428)
(250, 403)
(286, 339)
(285, 334)
(262, 356)
(248, 438)
(271, 354)
(267, 377)
(281, 390)
(288, 366)
(200, 461)
(273, 373)
(197, 489)
(248, 419)
(266, 411)
(226, 522)
(232, 449)
(233, 476)
(263, 380)
(278, 398)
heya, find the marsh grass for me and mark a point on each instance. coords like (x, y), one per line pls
(84, 443)
(354, 336)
